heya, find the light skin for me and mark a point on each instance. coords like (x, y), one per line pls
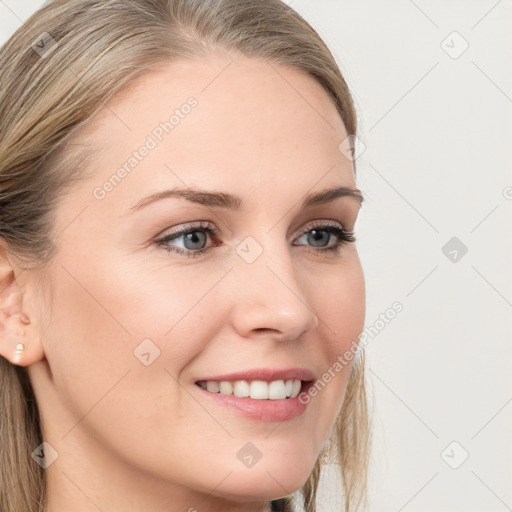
(135, 437)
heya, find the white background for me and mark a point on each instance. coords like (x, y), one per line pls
(437, 164)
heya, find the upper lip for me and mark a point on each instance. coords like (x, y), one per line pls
(266, 374)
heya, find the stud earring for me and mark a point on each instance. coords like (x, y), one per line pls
(19, 349)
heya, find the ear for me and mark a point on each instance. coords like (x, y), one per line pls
(16, 326)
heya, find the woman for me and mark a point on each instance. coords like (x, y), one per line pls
(178, 273)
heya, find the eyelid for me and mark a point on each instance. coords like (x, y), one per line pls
(207, 225)
(197, 225)
(321, 223)
(344, 237)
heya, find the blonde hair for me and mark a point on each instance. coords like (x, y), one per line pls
(90, 50)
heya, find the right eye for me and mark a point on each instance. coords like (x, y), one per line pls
(193, 234)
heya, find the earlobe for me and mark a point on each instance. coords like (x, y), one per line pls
(20, 348)
(19, 340)
(18, 343)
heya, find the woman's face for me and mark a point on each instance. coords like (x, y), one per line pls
(136, 322)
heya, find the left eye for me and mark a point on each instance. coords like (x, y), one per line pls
(194, 238)
(317, 233)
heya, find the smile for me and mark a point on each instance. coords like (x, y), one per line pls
(256, 389)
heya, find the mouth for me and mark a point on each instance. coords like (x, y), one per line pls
(256, 389)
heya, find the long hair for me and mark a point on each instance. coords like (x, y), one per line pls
(56, 71)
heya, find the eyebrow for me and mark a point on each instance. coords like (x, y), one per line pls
(224, 200)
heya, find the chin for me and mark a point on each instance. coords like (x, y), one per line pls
(269, 482)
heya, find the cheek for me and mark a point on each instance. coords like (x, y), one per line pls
(339, 300)
(134, 301)
(339, 303)
(126, 333)
(110, 396)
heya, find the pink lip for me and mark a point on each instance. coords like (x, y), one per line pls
(266, 374)
(262, 410)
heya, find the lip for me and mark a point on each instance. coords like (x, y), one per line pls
(269, 411)
(266, 374)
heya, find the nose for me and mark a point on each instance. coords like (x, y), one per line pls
(271, 299)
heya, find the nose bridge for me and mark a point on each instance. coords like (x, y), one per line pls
(268, 294)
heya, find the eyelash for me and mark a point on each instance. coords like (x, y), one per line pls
(344, 237)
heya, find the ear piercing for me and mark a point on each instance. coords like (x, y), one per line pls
(19, 349)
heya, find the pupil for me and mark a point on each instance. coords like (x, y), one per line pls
(317, 234)
(193, 238)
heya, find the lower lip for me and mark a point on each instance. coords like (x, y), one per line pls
(263, 410)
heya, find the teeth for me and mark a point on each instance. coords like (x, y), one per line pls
(256, 389)
(212, 386)
(277, 390)
(259, 390)
(296, 388)
(242, 389)
(226, 388)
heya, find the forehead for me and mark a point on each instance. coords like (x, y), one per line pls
(222, 122)
(231, 80)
